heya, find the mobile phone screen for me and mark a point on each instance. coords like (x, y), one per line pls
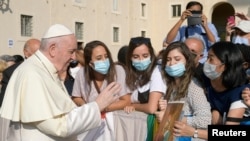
(231, 20)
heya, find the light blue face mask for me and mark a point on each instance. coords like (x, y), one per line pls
(176, 70)
(210, 71)
(141, 65)
(240, 40)
(102, 66)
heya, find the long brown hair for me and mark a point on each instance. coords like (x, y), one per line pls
(182, 88)
(139, 78)
(88, 70)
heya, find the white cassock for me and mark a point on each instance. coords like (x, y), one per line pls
(39, 107)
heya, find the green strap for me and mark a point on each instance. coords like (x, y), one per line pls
(150, 125)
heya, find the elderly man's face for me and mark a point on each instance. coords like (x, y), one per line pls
(66, 51)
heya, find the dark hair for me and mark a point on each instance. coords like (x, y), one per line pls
(133, 75)
(18, 58)
(234, 74)
(192, 3)
(88, 70)
(186, 78)
(245, 50)
(121, 56)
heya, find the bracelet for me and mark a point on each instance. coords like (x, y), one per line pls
(195, 133)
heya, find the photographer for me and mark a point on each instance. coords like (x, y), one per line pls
(204, 29)
(238, 32)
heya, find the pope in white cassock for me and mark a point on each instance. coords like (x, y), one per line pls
(36, 102)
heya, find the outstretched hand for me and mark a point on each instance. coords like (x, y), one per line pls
(108, 95)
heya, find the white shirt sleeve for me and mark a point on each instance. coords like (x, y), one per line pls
(238, 104)
(156, 82)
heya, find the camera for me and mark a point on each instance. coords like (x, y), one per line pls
(195, 18)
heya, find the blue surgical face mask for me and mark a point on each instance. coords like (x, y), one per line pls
(141, 65)
(176, 70)
(210, 71)
(102, 66)
(240, 40)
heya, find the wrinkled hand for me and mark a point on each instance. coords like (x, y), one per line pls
(246, 96)
(129, 109)
(159, 115)
(108, 95)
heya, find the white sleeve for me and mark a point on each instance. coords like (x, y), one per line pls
(156, 82)
(237, 104)
(77, 121)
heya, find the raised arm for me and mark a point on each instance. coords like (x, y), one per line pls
(173, 32)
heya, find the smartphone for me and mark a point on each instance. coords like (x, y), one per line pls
(196, 12)
(195, 18)
(231, 20)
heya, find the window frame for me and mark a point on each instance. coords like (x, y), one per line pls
(26, 22)
(175, 10)
(116, 35)
(79, 33)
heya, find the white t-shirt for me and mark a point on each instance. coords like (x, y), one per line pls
(156, 83)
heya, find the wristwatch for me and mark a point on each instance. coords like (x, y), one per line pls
(196, 133)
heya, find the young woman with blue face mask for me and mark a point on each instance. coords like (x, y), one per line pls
(146, 85)
(99, 71)
(225, 70)
(142, 72)
(227, 75)
(178, 70)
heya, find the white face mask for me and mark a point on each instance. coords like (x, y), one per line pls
(210, 71)
(240, 40)
(73, 71)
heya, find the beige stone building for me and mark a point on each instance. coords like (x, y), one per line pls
(111, 21)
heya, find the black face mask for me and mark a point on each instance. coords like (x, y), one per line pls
(73, 63)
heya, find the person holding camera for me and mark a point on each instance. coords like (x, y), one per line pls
(238, 32)
(197, 25)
